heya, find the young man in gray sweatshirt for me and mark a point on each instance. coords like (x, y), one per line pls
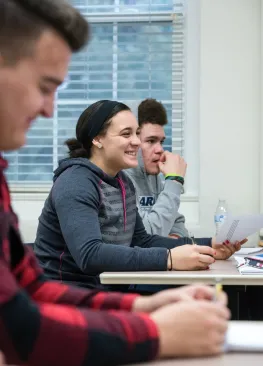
(158, 201)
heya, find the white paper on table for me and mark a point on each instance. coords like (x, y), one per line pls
(244, 336)
(247, 251)
(240, 261)
(236, 228)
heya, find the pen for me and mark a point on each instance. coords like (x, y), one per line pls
(194, 243)
(192, 239)
(218, 290)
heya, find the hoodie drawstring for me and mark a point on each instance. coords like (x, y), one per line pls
(123, 193)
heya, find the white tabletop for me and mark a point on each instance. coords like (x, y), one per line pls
(230, 359)
(223, 271)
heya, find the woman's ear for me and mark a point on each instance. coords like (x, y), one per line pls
(97, 143)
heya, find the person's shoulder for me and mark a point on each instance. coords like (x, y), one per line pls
(130, 172)
(74, 181)
(136, 175)
(77, 174)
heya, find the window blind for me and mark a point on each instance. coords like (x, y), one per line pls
(137, 51)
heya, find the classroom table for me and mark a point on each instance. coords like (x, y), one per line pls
(229, 359)
(224, 271)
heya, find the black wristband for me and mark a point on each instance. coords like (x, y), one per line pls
(170, 255)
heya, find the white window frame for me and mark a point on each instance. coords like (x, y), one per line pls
(191, 128)
(261, 124)
(192, 101)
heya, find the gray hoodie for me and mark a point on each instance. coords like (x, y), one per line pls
(90, 224)
(158, 202)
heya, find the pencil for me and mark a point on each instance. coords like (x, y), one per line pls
(218, 290)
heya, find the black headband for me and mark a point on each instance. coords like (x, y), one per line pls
(96, 121)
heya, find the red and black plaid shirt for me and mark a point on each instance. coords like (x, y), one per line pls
(44, 323)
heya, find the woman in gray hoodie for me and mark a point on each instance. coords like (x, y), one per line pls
(90, 223)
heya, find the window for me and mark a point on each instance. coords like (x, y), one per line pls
(137, 51)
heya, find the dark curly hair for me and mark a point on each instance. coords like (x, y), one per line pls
(152, 111)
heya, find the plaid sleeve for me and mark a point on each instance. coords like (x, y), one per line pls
(40, 323)
(41, 334)
(30, 277)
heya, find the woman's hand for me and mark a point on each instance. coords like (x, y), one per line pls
(190, 257)
(226, 249)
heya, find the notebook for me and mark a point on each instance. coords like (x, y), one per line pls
(244, 267)
(257, 257)
(244, 336)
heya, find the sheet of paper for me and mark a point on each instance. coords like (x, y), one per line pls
(247, 251)
(244, 336)
(239, 227)
(240, 260)
(248, 270)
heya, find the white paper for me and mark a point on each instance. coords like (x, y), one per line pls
(237, 228)
(245, 337)
(247, 251)
(240, 260)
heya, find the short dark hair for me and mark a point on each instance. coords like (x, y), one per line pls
(152, 111)
(23, 21)
(84, 150)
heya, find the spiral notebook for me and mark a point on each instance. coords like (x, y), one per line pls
(244, 267)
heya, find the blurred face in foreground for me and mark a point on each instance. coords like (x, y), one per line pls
(28, 87)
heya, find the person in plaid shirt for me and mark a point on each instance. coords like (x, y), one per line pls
(48, 323)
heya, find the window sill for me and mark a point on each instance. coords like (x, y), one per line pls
(40, 194)
(29, 196)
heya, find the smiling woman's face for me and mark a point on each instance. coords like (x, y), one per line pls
(121, 142)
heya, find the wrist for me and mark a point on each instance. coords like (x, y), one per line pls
(169, 260)
(174, 177)
(166, 175)
(141, 304)
(213, 242)
(162, 352)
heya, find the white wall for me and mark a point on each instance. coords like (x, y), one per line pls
(229, 117)
(230, 90)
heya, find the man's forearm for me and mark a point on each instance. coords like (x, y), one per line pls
(59, 335)
(44, 333)
(169, 243)
(41, 290)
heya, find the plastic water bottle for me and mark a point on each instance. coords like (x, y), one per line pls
(220, 214)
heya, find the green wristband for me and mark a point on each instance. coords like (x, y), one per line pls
(172, 175)
(175, 178)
